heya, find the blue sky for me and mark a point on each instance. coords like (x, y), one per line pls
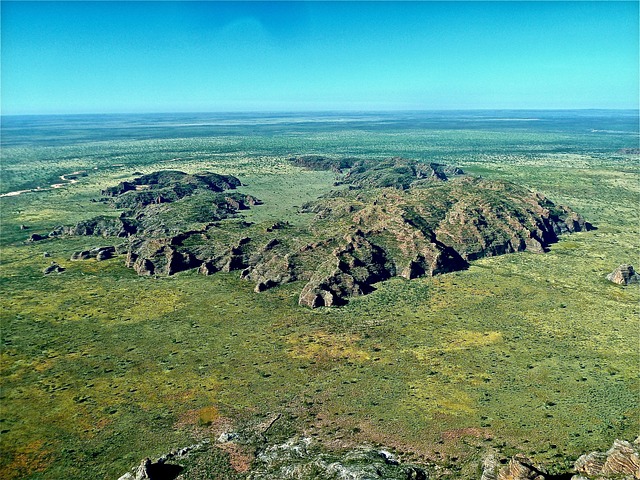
(103, 57)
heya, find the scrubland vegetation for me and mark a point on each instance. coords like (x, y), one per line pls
(531, 353)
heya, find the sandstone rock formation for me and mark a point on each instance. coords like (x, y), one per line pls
(105, 227)
(398, 217)
(520, 468)
(624, 275)
(621, 461)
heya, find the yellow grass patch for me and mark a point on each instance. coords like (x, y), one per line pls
(326, 347)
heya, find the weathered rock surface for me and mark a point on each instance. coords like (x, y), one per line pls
(300, 459)
(624, 275)
(396, 172)
(489, 467)
(621, 461)
(166, 186)
(53, 268)
(105, 227)
(99, 253)
(350, 271)
(520, 468)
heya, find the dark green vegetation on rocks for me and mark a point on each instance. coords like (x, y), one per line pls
(526, 353)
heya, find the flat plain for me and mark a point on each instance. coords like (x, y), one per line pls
(530, 353)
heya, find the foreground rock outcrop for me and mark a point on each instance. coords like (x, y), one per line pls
(300, 458)
(162, 468)
(620, 462)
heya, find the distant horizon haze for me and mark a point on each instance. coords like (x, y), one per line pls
(266, 113)
(313, 57)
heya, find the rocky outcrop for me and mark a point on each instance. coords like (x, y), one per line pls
(119, 189)
(621, 461)
(36, 237)
(161, 468)
(53, 268)
(161, 257)
(624, 275)
(520, 468)
(489, 467)
(350, 271)
(366, 236)
(166, 186)
(99, 253)
(105, 227)
(269, 268)
(301, 458)
(397, 172)
(319, 162)
(252, 201)
(398, 217)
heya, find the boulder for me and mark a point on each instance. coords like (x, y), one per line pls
(36, 237)
(276, 226)
(104, 255)
(624, 275)
(271, 244)
(82, 255)
(53, 268)
(57, 230)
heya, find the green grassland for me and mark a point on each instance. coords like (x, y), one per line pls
(531, 353)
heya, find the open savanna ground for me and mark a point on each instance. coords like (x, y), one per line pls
(531, 353)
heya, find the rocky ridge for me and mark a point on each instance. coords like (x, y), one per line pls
(396, 217)
(300, 458)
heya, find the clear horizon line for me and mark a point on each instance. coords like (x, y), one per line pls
(316, 112)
